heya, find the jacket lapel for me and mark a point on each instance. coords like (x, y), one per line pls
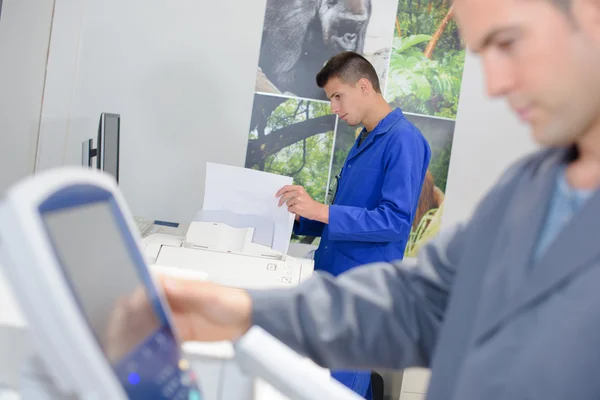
(383, 127)
(511, 256)
(356, 150)
(573, 249)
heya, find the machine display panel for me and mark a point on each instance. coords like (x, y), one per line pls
(107, 274)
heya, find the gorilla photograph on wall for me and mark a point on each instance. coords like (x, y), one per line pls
(299, 36)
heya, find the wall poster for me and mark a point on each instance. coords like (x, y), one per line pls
(419, 57)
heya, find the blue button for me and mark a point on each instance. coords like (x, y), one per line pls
(133, 378)
(194, 395)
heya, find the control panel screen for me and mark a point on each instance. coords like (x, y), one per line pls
(124, 314)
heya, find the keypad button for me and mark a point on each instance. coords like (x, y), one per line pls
(183, 364)
(167, 392)
(171, 387)
(186, 379)
(194, 395)
(165, 374)
(147, 352)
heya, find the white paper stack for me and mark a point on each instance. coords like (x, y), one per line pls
(246, 198)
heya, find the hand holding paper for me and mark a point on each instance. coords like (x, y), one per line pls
(248, 192)
(299, 202)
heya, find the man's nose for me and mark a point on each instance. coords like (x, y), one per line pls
(335, 108)
(499, 77)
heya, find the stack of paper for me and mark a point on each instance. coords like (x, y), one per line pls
(264, 228)
(246, 198)
(218, 236)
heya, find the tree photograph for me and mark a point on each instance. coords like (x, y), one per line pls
(292, 137)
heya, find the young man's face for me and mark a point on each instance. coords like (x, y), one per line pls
(349, 102)
(544, 60)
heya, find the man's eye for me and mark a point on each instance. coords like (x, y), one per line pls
(506, 45)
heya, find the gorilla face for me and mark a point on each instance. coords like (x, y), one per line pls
(344, 24)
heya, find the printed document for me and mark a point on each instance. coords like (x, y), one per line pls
(248, 192)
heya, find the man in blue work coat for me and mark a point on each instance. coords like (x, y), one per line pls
(379, 186)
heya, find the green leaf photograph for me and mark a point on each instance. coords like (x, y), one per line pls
(427, 59)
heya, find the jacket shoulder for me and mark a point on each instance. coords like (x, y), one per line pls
(405, 132)
(531, 164)
(528, 167)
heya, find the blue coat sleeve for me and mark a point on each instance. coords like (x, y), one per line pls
(405, 165)
(308, 227)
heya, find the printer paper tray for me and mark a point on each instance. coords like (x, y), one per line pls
(237, 270)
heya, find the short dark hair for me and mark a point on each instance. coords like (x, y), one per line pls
(349, 67)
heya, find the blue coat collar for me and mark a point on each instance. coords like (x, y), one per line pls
(382, 127)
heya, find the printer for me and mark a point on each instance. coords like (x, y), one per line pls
(222, 247)
(227, 255)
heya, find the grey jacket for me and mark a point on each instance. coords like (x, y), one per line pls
(489, 322)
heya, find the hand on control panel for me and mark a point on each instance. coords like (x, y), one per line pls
(205, 311)
(131, 320)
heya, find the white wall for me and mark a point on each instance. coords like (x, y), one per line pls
(24, 37)
(180, 74)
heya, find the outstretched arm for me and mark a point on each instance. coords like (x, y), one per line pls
(374, 316)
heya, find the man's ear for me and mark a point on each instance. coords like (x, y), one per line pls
(364, 85)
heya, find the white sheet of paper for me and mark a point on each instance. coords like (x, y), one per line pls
(218, 236)
(264, 228)
(246, 191)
